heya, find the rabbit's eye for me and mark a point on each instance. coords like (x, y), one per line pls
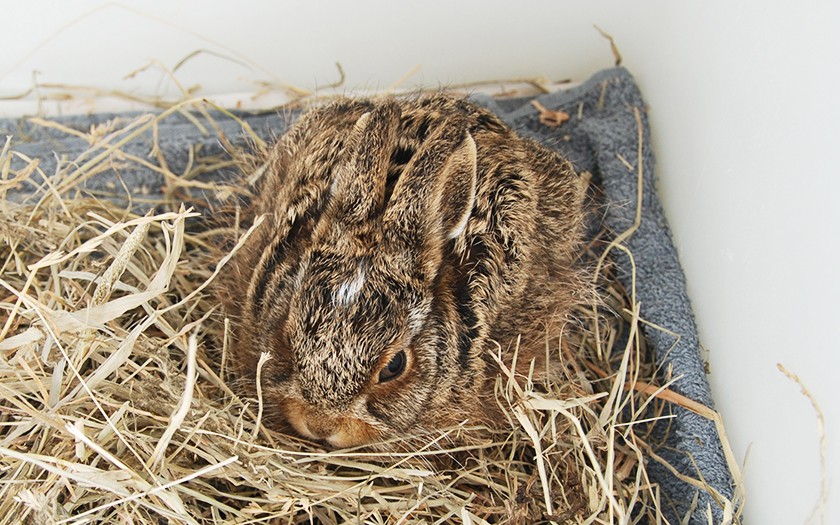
(394, 367)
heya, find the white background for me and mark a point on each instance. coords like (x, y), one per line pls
(746, 123)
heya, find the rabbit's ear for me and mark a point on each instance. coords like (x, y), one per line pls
(358, 188)
(434, 196)
(457, 189)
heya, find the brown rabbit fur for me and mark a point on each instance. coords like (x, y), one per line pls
(405, 241)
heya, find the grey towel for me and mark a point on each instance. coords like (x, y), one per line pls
(603, 126)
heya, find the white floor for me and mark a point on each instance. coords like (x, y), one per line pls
(746, 123)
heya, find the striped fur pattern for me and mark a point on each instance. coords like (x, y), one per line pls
(419, 234)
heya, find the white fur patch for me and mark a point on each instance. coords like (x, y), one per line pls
(348, 290)
(416, 319)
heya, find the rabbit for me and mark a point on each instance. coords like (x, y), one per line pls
(405, 241)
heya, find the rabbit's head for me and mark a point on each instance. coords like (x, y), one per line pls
(361, 320)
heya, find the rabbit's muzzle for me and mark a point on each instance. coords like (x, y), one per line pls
(338, 431)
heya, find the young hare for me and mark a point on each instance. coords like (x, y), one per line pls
(405, 242)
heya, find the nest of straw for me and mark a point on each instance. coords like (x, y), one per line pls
(115, 404)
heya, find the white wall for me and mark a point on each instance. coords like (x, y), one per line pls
(745, 121)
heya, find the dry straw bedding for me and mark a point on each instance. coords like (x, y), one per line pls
(115, 404)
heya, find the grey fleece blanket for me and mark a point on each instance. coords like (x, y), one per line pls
(603, 130)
